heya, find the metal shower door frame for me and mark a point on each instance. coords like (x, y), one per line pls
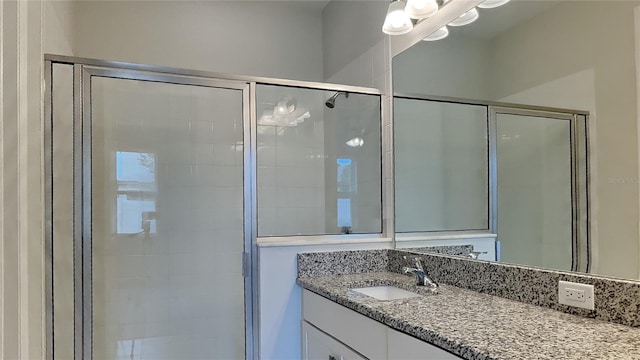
(574, 145)
(82, 242)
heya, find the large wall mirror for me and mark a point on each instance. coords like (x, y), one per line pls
(518, 134)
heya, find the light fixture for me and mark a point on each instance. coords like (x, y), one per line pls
(421, 9)
(356, 142)
(397, 21)
(439, 34)
(466, 18)
(490, 4)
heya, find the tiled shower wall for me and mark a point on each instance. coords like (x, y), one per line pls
(291, 186)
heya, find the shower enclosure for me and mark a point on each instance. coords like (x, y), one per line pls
(481, 170)
(159, 182)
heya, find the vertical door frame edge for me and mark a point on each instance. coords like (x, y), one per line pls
(48, 209)
(252, 344)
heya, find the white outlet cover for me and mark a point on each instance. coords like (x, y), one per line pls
(576, 294)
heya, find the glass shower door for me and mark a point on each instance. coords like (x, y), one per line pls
(534, 175)
(167, 218)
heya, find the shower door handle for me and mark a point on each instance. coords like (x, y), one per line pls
(245, 263)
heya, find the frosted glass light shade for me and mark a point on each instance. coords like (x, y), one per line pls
(356, 142)
(421, 9)
(397, 21)
(490, 4)
(466, 18)
(439, 34)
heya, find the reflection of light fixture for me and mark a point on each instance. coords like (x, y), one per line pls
(284, 107)
(397, 21)
(421, 9)
(303, 117)
(466, 18)
(281, 108)
(490, 4)
(356, 142)
(285, 112)
(439, 34)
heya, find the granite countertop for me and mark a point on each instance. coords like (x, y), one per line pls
(479, 326)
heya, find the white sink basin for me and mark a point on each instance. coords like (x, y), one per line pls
(386, 292)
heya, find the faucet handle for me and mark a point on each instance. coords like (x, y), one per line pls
(418, 264)
(416, 261)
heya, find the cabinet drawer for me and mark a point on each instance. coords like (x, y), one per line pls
(366, 336)
(405, 347)
(317, 345)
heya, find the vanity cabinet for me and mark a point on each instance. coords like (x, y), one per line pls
(333, 332)
(402, 346)
(317, 345)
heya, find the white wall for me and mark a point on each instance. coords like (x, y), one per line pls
(441, 166)
(58, 27)
(351, 33)
(26, 31)
(280, 297)
(280, 39)
(457, 66)
(21, 201)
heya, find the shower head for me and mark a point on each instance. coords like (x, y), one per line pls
(331, 102)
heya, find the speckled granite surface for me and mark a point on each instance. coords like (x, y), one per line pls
(480, 326)
(615, 300)
(342, 262)
(351, 262)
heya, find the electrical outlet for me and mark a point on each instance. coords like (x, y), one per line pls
(576, 294)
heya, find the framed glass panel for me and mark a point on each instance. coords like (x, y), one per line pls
(319, 162)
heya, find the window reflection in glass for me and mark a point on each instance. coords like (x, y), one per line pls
(136, 199)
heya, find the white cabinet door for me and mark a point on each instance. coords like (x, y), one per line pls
(317, 345)
(405, 347)
(364, 335)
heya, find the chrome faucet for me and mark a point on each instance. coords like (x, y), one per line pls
(422, 279)
(475, 254)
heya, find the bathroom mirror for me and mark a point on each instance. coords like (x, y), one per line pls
(559, 78)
